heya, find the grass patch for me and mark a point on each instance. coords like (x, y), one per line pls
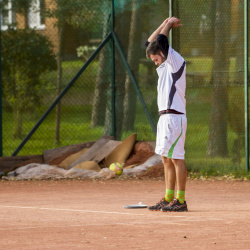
(76, 127)
(215, 168)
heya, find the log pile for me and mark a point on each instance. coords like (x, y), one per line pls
(90, 159)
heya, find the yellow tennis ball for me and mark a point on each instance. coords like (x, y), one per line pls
(116, 167)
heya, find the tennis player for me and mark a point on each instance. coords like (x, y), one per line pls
(172, 124)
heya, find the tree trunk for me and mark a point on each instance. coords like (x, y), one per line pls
(217, 141)
(59, 83)
(103, 79)
(240, 45)
(176, 32)
(133, 61)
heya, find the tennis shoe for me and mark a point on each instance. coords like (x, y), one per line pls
(157, 207)
(175, 206)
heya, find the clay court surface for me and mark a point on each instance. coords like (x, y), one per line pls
(90, 215)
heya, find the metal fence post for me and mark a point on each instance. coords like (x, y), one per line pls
(1, 108)
(246, 84)
(113, 109)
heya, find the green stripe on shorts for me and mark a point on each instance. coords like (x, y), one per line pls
(171, 150)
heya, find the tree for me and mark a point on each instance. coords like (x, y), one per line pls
(25, 56)
(240, 44)
(58, 9)
(134, 55)
(236, 117)
(74, 12)
(217, 141)
(103, 78)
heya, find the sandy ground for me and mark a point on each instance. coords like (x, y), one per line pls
(75, 214)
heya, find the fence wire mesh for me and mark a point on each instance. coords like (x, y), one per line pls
(46, 42)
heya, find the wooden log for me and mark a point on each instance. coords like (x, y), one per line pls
(8, 164)
(105, 150)
(57, 155)
(91, 152)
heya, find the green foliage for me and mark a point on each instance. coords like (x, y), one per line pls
(25, 56)
(85, 51)
(75, 12)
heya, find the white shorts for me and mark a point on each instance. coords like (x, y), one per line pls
(171, 134)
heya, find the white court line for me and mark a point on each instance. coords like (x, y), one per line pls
(77, 210)
(106, 212)
(93, 211)
(71, 210)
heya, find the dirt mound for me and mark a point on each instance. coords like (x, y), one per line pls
(140, 153)
(153, 172)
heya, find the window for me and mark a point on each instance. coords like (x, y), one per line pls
(7, 15)
(35, 17)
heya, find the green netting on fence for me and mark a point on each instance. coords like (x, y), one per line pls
(46, 42)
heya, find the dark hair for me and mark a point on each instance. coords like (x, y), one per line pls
(153, 49)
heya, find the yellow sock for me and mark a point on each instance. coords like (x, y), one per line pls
(169, 195)
(180, 196)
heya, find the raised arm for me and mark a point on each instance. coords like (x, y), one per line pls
(158, 30)
(171, 23)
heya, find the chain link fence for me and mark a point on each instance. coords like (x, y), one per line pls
(46, 42)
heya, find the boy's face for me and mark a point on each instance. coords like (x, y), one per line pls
(158, 59)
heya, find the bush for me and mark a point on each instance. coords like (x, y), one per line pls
(25, 56)
(85, 52)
